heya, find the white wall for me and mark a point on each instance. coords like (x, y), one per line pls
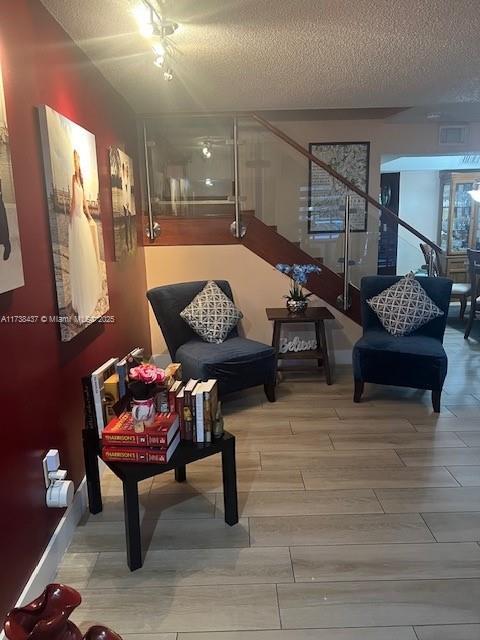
(419, 198)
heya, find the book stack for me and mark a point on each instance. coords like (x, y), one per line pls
(199, 401)
(156, 444)
(187, 411)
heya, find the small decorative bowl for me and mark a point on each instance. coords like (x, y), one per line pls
(296, 306)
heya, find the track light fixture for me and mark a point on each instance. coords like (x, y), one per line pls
(207, 149)
(153, 25)
(159, 49)
(159, 61)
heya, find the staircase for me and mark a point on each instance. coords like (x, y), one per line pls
(290, 206)
(277, 236)
(268, 244)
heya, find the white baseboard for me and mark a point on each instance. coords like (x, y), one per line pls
(47, 567)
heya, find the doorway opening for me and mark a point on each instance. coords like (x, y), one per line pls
(430, 192)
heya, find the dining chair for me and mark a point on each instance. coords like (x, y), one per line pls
(460, 290)
(473, 257)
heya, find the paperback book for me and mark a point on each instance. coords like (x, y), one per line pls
(172, 395)
(197, 403)
(112, 395)
(98, 386)
(210, 403)
(89, 403)
(132, 358)
(189, 409)
(179, 407)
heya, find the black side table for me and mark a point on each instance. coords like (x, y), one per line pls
(132, 473)
(315, 315)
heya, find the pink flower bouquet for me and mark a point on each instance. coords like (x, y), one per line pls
(144, 380)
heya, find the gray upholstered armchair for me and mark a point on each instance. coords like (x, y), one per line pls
(237, 363)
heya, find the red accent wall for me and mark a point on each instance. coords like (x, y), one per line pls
(40, 388)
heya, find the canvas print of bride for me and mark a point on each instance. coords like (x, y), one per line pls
(71, 177)
(11, 268)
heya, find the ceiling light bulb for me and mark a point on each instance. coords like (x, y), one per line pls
(159, 61)
(159, 49)
(146, 30)
(143, 16)
(141, 13)
(207, 149)
(209, 182)
(168, 75)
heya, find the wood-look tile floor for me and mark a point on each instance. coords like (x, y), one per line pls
(357, 522)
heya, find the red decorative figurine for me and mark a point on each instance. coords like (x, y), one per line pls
(46, 618)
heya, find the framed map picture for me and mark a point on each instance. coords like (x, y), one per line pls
(326, 205)
(123, 203)
(71, 178)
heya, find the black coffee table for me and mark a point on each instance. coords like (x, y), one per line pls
(132, 473)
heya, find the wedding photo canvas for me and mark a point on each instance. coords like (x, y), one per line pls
(11, 266)
(123, 203)
(71, 178)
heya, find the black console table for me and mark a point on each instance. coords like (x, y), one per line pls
(132, 473)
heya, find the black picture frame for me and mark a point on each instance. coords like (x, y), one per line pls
(333, 192)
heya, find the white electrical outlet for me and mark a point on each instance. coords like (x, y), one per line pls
(51, 463)
(59, 490)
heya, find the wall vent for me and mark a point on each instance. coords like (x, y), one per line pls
(472, 158)
(453, 134)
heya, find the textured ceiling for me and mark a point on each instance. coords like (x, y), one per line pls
(285, 54)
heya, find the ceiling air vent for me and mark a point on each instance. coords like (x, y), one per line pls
(453, 134)
(472, 158)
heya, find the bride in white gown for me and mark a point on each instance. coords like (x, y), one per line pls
(85, 277)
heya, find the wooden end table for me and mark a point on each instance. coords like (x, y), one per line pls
(132, 473)
(315, 315)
